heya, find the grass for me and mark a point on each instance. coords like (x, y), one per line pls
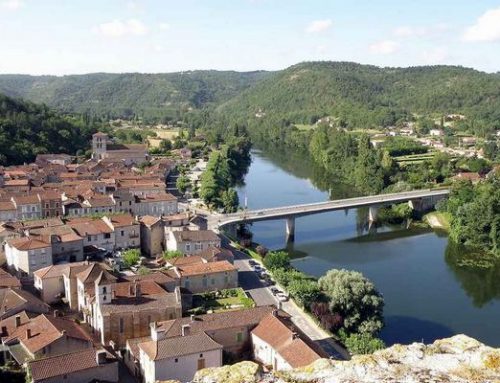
(304, 127)
(222, 300)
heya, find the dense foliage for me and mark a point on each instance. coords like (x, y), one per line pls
(27, 129)
(131, 257)
(151, 97)
(225, 168)
(475, 212)
(356, 299)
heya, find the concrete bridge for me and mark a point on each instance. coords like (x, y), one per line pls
(420, 200)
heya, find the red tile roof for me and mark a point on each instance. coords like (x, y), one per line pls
(205, 268)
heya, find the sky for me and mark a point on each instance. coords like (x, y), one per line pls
(84, 36)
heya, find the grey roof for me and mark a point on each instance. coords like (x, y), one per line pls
(179, 346)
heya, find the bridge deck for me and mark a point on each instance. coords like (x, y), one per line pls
(320, 207)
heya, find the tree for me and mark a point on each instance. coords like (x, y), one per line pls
(165, 145)
(131, 257)
(355, 298)
(363, 344)
(276, 260)
(304, 291)
(183, 183)
(230, 200)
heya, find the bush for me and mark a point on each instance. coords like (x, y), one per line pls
(170, 254)
(355, 298)
(363, 343)
(261, 250)
(304, 291)
(328, 320)
(277, 260)
(131, 257)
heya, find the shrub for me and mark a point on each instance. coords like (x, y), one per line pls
(131, 257)
(277, 260)
(363, 343)
(261, 250)
(169, 254)
(304, 291)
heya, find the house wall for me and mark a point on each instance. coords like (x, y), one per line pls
(152, 240)
(188, 247)
(106, 241)
(210, 282)
(63, 345)
(68, 251)
(8, 215)
(50, 288)
(156, 208)
(182, 368)
(29, 211)
(71, 292)
(30, 260)
(128, 236)
(267, 355)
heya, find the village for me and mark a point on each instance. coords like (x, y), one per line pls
(74, 308)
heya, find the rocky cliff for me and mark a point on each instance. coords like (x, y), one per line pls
(459, 359)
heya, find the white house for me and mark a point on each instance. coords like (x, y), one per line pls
(156, 204)
(26, 255)
(178, 358)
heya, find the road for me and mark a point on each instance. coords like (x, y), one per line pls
(219, 220)
(262, 296)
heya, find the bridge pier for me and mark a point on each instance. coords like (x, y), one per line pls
(290, 229)
(372, 213)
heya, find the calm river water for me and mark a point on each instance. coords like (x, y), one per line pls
(427, 294)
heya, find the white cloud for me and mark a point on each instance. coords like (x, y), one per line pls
(12, 5)
(318, 26)
(118, 28)
(384, 47)
(164, 26)
(486, 28)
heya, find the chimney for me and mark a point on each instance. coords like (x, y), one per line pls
(186, 329)
(295, 335)
(56, 313)
(193, 318)
(28, 333)
(18, 320)
(100, 357)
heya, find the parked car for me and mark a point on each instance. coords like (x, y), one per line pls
(252, 263)
(275, 290)
(282, 297)
(257, 268)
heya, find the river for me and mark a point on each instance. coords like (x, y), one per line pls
(427, 294)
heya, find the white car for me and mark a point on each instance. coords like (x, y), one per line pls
(282, 297)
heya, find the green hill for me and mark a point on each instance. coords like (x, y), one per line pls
(150, 96)
(364, 95)
(28, 129)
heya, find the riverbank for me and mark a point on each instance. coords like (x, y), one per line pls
(438, 220)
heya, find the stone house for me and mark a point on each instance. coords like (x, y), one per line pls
(67, 246)
(27, 254)
(15, 300)
(192, 242)
(127, 230)
(28, 206)
(8, 211)
(152, 236)
(207, 276)
(95, 232)
(156, 204)
(51, 204)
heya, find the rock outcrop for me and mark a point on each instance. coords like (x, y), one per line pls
(459, 359)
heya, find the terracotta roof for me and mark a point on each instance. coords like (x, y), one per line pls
(149, 220)
(14, 298)
(212, 252)
(90, 227)
(158, 277)
(10, 323)
(105, 278)
(122, 220)
(64, 233)
(27, 243)
(158, 197)
(56, 271)
(176, 217)
(90, 274)
(27, 199)
(66, 364)
(7, 280)
(206, 268)
(184, 261)
(6, 206)
(195, 236)
(216, 321)
(133, 345)
(45, 330)
(23, 182)
(286, 340)
(179, 346)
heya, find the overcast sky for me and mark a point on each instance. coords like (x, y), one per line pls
(82, 36)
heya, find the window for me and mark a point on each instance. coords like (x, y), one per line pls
(46, 206)
(89, 238)
(205, 283)
(107, 235)
(226, 279)
(104, 290)
(188, 247)
(121, 326)
(176, 360)
(122, 233)
(239, 337)
(201, 355)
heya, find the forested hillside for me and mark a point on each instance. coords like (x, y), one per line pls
(153, 97)
(28, 129)
(364, 96)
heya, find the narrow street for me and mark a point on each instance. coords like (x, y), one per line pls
(262, 296)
